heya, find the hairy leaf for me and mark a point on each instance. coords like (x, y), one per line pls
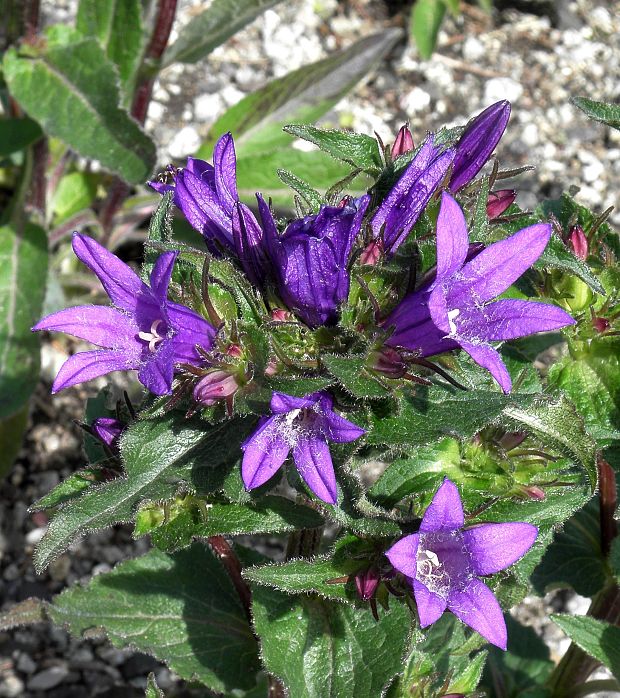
(75, 192)
(424, 25)
(152, 689)
(599, 639)
(353, 375)
(24, 613)
(12, 430)
(328, 649)
(79, 76)
(558, 256)
(23, 270)
(606, 112)
(212, 27)
(181, 608)
(17, 134)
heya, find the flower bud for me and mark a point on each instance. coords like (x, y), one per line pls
(534, 492)
(499, 201)
(578, 242)
(366, 583)
(512, 439)
(600, 324)
(389, 362)
(403, 142)
(280, 315)
(108, 431)
(215, 386)
(234, 350)
(372, 253)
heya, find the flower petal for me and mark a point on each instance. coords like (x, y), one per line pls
(100, 324)
(339, 429)
(87, 365)
(509, 319)
(445, 512)
(225, 167)
(452, 237)
(487, 357)
(160, 276)
(430, 605)
(314, 463)
(403, 555)
(477, 607)
(120, 282)
(157, 370)
(498, 266)
(282, 403)
(495, 546)
(263, 453)
(249, 243)
(190, 330)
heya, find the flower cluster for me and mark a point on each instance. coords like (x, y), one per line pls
(304, 272)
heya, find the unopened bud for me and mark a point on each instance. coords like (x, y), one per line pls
(512, 439)
(345, 201)
(272, 368)
(600, 324)
(403, 142)
(215, 386)
(578, 242)
(366, 583)
(388, 362)
(280, 315)
(108, 431)
(499, 201)
(234, 350)
(372, 253)
(534, 492)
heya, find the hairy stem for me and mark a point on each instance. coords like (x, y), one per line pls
(608, 503)
(600, 686)
(226, 554)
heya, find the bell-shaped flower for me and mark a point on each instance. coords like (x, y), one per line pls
(309, 260)
(477, 143)
(443, 563)
(216, 385)
(108, 430)
(303, 425)
(404, 204)
(455, 310)
(143, 330)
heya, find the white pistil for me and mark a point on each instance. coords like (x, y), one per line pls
(452, 315)
(152, 337)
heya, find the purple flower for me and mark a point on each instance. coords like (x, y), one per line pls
(303, 425)
(443, 562)
(108, 430)
(309, 260)
(454, 310)
(404, 204)
(216, 385)
(143, 331)
(478, 143)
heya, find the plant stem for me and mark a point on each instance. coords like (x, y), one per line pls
(608, 503)
(603, 685)
(226, 554)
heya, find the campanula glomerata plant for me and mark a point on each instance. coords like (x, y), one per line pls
(360, 382)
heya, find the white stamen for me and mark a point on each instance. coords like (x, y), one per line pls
(452, 315)
(152, 337)
(291, 416)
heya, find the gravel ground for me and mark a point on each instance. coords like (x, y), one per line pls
(536, 63)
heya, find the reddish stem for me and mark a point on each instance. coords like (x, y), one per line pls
(38, 184)
(225, 553)
(31, 20)
(608, 503)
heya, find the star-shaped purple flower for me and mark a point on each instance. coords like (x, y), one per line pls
(454, 310)
(404, 204)
(303, 425)
(143, 331)
(443, 562)
(310, 259)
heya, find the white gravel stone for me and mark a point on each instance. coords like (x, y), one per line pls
(184, 143)
(33, 537)
(502, 88)
(529, 135)
(48, 678)
(416, 100)
(11, 686)
(473, 49)
(207, 107)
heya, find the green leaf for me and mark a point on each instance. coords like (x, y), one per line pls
(434, 413)
(212, 27)
(270, 514)
(79, 77)
(574, 559)
(356, 149)
(558, 424)
(70, 488)
(159, 232)
(310, 195)
(75, 192)
(23, 256)
(558, 256)
(592, 382)
(181, 608)
(328, 649)
(523, 668)
(152, 689)
(17, 134)
(118, 28)
(300, 96)
(424, 25)
(352, 373)
(480, 221)
(12, 430)
(161, 457)
(599, 639)
(26, 612)
(606, 112)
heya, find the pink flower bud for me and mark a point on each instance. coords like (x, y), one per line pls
(534, 492)
(600, 324)
(403, 142)
(372, 253)
(389, 362)
(499, 201)
(366, 583)
(280, 315)
(234, 350)
(512, 439)
(272, 368)
(215, 386)
(345, 201)
(578, 242)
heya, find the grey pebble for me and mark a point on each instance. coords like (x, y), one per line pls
(48, 678)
